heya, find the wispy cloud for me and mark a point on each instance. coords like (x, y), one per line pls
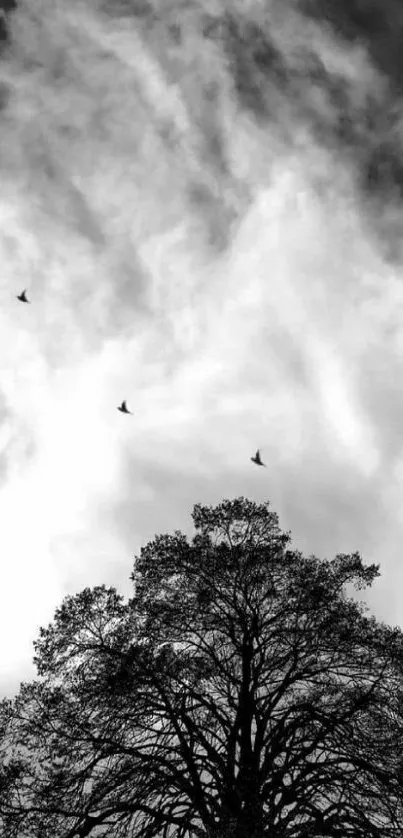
(191, 201)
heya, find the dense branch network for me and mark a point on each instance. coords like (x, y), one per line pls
(238, 693)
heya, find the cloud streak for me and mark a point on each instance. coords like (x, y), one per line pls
(206, 219)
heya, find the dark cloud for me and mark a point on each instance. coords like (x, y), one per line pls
(343, 113)
(383, 172)
(255, 63)
(368, 133)
(377, 25)
(6, 7)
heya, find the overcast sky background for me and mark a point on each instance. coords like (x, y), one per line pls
(204, 202)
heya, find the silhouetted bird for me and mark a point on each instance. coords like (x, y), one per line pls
(256, 459)
(123, 408)
(23, 297)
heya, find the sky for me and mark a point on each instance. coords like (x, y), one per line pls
(204, 201)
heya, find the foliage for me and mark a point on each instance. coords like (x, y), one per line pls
(239, 692)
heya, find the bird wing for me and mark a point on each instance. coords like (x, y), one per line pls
(124, 406)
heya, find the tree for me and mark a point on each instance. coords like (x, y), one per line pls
(240, 692)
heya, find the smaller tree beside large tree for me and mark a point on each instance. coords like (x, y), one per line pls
(239, 693)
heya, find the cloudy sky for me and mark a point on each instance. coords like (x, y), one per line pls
(204, 201)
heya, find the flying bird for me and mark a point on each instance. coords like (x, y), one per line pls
(23, 296)
(256, 459)
(123, 408)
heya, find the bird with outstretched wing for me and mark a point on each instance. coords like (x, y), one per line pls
(123, 408)
(256, 459)
(23, 296)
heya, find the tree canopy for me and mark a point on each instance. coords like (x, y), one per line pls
(240, 692)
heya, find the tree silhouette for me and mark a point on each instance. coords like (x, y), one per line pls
(240, 693)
